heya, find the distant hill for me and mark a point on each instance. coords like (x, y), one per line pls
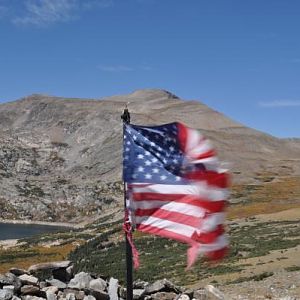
(60, 159)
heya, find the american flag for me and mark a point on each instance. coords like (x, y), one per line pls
(175, 187)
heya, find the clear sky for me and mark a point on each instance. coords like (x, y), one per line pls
(241, 58)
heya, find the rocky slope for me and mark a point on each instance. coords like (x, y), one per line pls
(60, 159)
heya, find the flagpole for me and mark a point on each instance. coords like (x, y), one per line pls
(129, 278)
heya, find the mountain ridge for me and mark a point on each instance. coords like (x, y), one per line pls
(64, 154)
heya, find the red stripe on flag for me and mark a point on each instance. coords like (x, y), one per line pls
(182, 136)
(220, 180)
(211, 206)
(207, 154)
(217, 254)
(169, 215)
(208, 237)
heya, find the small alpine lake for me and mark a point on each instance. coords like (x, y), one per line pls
(18, 231)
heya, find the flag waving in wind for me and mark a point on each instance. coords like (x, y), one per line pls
(175, 187)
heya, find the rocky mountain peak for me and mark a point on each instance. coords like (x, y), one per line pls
(60, 159)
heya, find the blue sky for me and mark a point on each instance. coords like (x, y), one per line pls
(241, 58)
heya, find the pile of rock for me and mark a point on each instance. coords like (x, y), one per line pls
(56, 281)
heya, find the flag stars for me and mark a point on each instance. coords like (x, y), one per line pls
(154, 160)
(148, 163)
(163, 177)
(141, 169)
(171, 148)
(140, 156)
(155, 170)
(148, 176)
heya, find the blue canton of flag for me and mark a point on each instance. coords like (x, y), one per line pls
(152, 154)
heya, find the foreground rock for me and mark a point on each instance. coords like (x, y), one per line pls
(84, 286)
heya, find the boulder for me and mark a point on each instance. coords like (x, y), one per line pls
(57, 283)
(138, 293)
(28, 279)
(182, 297)
(63, 274)
(215, 292)
(50, 289)
(89, 297)
(100, 295)
(6, 294)
(9, 287)
(163, 296)
(30, 290)
(10, 279)
(79, 295)
(70, 296)
(200, 294)
(51, 296)
(80, 281)
(140, 284)
(17, 271)
(98, 284)
(161, 286)
(113, 287)
(49, 266)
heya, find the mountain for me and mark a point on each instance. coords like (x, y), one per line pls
(60, 159)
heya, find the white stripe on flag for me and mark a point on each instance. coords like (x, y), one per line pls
(182, 208)
(200, 189)
(212, 221)
(167, 225)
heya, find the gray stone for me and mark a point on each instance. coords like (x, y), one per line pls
(70, 296)
(98, 284)
(140, 284)
(63, 274)
(9, 287)
(80, 281)
(89, 297)
(42, 284)
(17, 271)
(200, 294)
(30, 290)
(163, 296)
(15, 298)
(49, 266)
(28, 279)
(182, 297)
(51, 296)
(161, 285)
(50, 289)
(55, 282)
(6, 294)
(28, 297)
(216, 292)
(113, 287)
(137, 293)
(78, 294)
(10, 279)
(100, 295)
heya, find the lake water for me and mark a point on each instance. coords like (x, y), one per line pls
(17, 231)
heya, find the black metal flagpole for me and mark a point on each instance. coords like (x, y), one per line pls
(129, 278)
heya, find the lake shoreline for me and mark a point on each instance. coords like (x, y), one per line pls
(28, 222)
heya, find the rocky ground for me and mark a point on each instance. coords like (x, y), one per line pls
(56, 281)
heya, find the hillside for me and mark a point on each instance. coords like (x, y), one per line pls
(60, 159)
